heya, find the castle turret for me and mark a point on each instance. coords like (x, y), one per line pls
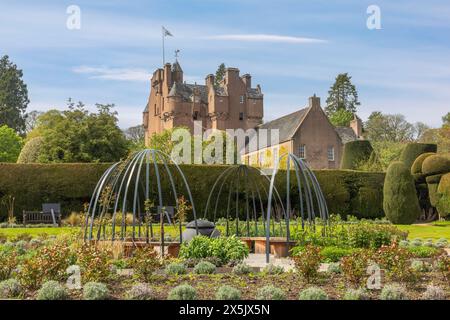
(177, 72)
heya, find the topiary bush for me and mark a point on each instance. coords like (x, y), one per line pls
(416, 168)
(175, 269)
(95, 291)
(52, 290)
(436, 164)
(393, 292)
(140, 291)
(313, 293)
(10, 288)
(228, 293)
(30, 151)
(356, 152)
(400, 202)
(270, 292)
(182, 292)
(356, 294)
(204, 267)
(413, 150)
(443, 196)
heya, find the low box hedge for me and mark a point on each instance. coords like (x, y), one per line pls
(346, 191)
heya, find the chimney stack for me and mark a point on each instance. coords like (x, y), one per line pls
(247, 80)
(209, 81)
(314, 101)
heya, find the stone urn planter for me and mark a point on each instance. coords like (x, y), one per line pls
(205, 228)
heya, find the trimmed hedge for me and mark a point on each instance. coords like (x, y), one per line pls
(400, 199)
(30, 151)
(413, 150)
(346, 191)
(416, 168)
(443, 195)
(436, 164)
(356, 152)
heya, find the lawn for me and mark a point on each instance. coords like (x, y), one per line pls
(435, 230)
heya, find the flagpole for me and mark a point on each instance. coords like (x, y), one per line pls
(163, 36)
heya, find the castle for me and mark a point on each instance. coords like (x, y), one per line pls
(231, 104)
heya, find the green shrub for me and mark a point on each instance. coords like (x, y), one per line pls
(242, 268)
(307, 262)
(436, 164)
(205, 267)
(356, 152)
(30, 151)
(393, 292)
(175, 269)
(420, 266)
(416, 168)
(354, 266)
(145, 262)
(140, 291)
(47, 263)
(95, 291)
(413, 150)
(52, 290)
(396, 262)
(334, 267)
(94, 262)
(10, 288)
(313, 293)
(334, 254)
(8, 262)
(228, 293)
(225, 249)
(400, 204)
(442, 265)
(443, 196)
(422, 252)
(356, 294)
(273, 269)
(433, 293)
(270, 292)
(183, 292)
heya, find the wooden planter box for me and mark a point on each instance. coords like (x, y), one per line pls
(279, 246)
(170, 248)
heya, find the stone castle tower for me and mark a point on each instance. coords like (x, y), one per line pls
(172, 102)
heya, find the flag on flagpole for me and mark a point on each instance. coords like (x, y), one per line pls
(166, 32)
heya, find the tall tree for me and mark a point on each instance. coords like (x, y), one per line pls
(342, 95)
(136, 136)
(446, 119)
(220, 73)
(10, 144)
(13, 96)
(389, 127)
(31, 120)
(77, 135)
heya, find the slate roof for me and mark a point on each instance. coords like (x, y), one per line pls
(346, 134)
(287, 125)
(186, 91)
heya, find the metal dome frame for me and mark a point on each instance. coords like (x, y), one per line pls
(127, 185)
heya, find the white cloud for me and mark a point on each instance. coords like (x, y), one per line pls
(264, 38)
(120, 74)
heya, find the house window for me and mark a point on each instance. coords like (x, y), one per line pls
(330, 153)
(302, 152)
(241, 99)
(241, 116)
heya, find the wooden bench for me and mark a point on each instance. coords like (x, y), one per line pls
(50, 214)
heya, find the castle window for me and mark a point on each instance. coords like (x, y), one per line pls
(241, 116)
(302, 152)
(156, 110)
(195, 115)
(330, 153)
(241, 99)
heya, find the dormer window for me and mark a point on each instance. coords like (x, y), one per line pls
(241, 99)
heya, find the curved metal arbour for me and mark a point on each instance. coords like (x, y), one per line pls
(309, 202)
(240, 193)
(143, 186)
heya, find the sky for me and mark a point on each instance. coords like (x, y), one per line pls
(292, 48)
